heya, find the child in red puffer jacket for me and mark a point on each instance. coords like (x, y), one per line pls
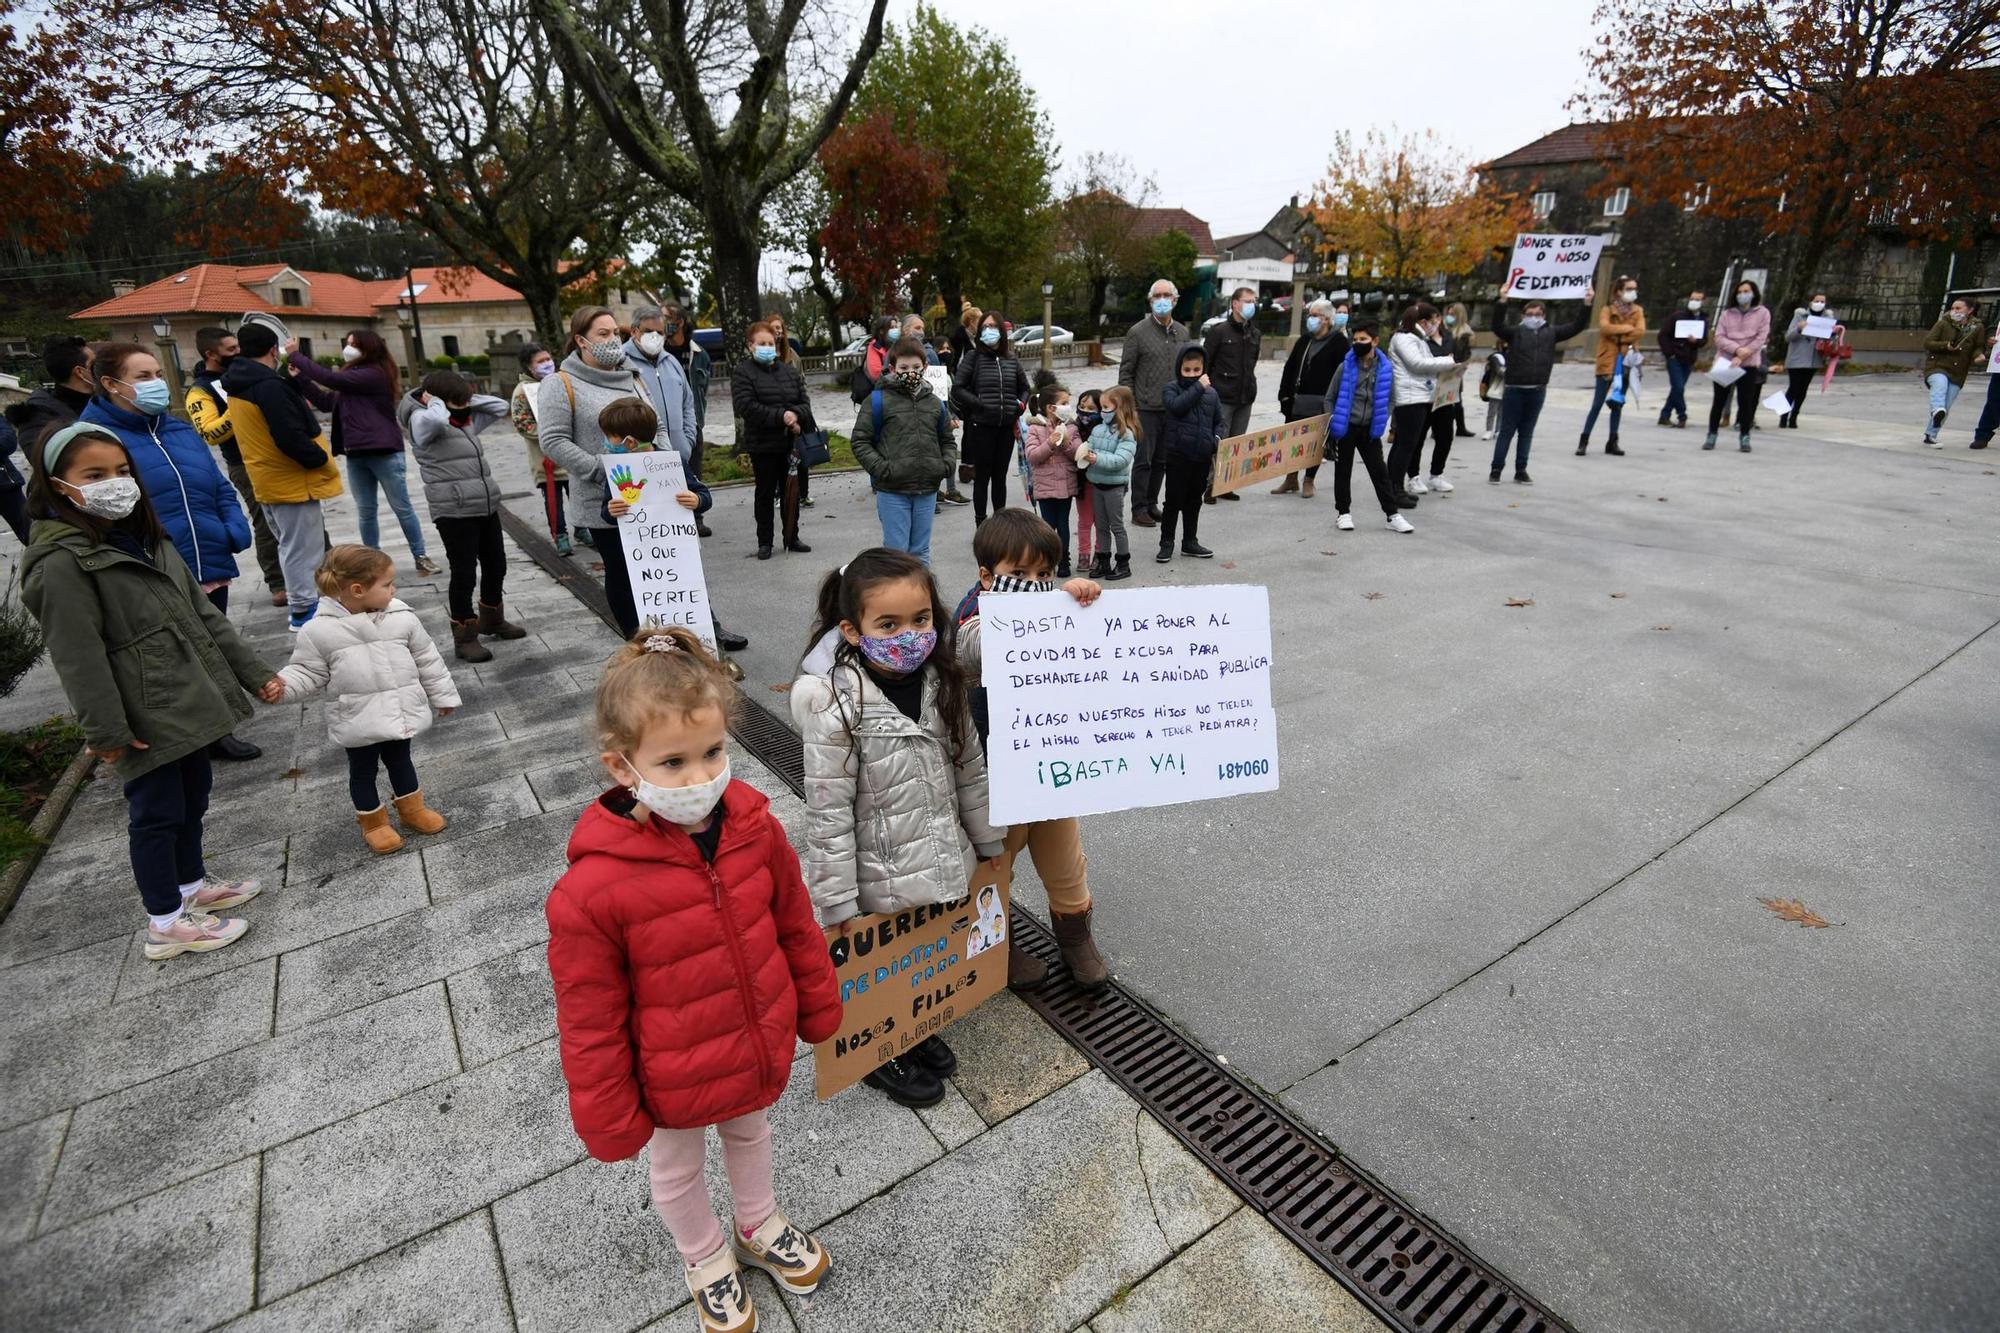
(686, 960)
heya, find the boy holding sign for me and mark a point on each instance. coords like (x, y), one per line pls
(628, 425)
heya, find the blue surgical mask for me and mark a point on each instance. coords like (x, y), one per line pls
(1340, 319)
(152, 396)
(765, 355)
(1163, 306)
(1249, 311)
(1313, 323)
(1450, 320)
(990, 337)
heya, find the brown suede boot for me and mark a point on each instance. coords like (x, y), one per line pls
(412, 815)
(1024, 970)
(375, 828)
(465, 642)
(1306, 488)
(496, 626)
(1079, 951)
(1289, 486)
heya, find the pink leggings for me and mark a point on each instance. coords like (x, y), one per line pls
(682, 1196)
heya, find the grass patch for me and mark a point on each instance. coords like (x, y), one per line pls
(719, 465)
(1873, 368)
(31, 762)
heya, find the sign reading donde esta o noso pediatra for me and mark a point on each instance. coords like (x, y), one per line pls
(661, 548)
(1150, 696)
(1554, 268)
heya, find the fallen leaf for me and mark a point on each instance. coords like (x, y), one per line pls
(295, 772)
(1520, 601)
(1663, 627)
(781, 689)
(1791, 909)
(1619, 595)
(1514, 506)
(1373, 596)
(1663, 499)
(1329, 553)
(1229, 564)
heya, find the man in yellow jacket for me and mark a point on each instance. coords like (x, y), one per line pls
(208, 409)
(285, 455)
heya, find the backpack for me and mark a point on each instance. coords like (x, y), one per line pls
(875, 411)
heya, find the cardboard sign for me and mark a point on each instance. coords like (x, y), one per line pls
(907, 976)
(661, 548)
(1690, 330)
(1150, 696)
(1450, 388)
(1243, 460)
(1553, 268)
(1818, 326)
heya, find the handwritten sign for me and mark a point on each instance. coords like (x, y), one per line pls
(1150, 696)
(1450, 387)
(1690, 330)
(1554, 268)
(1243, 460)
(906, 976)
(940, 381)
(662, 550)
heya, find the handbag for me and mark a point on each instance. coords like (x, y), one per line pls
(1834, 349)
(812, 448)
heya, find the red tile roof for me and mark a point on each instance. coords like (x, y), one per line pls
(446, 286)
(227, 289)
(1571, 143)
(1150, 222)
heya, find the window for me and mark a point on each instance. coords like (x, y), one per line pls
(1544, 203)
(1695, 198)
(306, 348)
(291, 296)
(1616, 204)
(451, 344)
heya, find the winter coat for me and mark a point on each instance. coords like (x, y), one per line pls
(458, 483)
(10, 476)
(681, 986)
(365, 420)
(1801, 352)
(916, 450)
(867, 373)
(1616, 333)
(885, 803)
(1115, 452)
(521, 409)
(1531, 353)
(382, 673)
(1683, 350)
(140, 651)
(1350, 409)
(278, 435)
(1308, 370)
(196, 504)
(700, 372)
(1950, 349)
(1738, 328)
(568, 404)
(1416, 366)
(1233, 347)
(1051, 454)
(1192, 426)
(762, 395)
(1149, 360)
(45, 410)
(208, 408)
(989, 388)
(671, 395)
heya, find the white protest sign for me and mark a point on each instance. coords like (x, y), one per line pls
(661, 549)
(1690, 329)
(940, 381)
(1993, 361)
(1150, 696)
(1818, 326)
(1553, 268)
(1725, 373)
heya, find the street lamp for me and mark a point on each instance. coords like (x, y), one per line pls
(404, 318)
(170, 354)
(1048, 321)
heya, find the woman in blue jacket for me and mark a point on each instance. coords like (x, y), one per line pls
(193, 498)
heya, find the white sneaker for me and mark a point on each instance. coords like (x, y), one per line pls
(193, 932)
(1345, 522)
(1935, 444)
(795, 1259)
(1417, 486)
(1397, 523)
(1485, 434)
(1441, 486)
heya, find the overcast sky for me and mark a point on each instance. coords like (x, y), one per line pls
(1234, 131)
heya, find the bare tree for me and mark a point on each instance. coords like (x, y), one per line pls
(1095, 231)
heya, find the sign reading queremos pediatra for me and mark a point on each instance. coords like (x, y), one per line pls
(1150, 696)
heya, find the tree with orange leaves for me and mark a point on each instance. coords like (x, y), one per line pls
(1818, 119)
(882, 223)
(50, 147)
(1405, 210)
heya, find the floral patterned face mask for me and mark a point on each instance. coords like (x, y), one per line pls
(900, 653)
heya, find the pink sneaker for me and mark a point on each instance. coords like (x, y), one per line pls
(194, 932)
(216, 894)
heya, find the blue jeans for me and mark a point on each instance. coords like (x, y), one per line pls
(367, 471)
(1597, 403)
(1943, 394)
(906, 522)
(1989, 417)
(1520, 407)
(1677, 380)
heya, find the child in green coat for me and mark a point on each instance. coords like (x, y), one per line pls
(151, 667)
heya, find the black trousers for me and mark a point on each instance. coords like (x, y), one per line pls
(1412, 421)
(617, 578)
(1370, 449)
(770, 471)
(361, 762)
(475, 551)
(1444, 429)
(163, 828)
(1747, 391)
(990, 450)
(1798, 381)
(1186, 482)
(1149, 470)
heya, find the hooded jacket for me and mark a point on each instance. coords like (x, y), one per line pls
(567, 406)
(1417, 366)
(915, 450)
(1949, 349)
(140, 652)
(1193, 425)
(1233, 347)
(364, 410)
(990, 387)
(195, 502)
(45, 408)
(278, 436)
(667, 388)
(681, 986)
(452, 459)
(381, 672)
(885, 803)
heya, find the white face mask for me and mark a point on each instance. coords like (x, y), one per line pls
(688, 807)
(1630, 294)
(1818, 306)
(652, 344)
(350, 353)
(111, 497)
(1065, 413)
(1694, 305)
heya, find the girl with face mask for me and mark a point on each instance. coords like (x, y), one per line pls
(1950, 348)
(151, 667)
(681, 883)
(881, 685)
(537, 365)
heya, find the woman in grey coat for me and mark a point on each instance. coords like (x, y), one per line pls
(444, 419)
(1803, 358)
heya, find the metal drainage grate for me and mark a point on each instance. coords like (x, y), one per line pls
(1400, 1264)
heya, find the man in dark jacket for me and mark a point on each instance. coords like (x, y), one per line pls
(1146, 366)
(68, 361)
(903, 440)
(1191, 426)
(1233, 347)
(1680, 354)
(208, 409)
(1531, 355)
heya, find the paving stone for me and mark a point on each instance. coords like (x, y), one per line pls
(446, 1282)
(772, 1316)
(1059, 1191)
(334, 841)
(188, 1249)
(478, 861)
(503, 1005)
(391, 1173)
(62, 984)
(510, 666)
(952, 1120)
(27, 1164)
(66, 1061)
(568, 785)
(362, 966)
(1243, 1274)
(136, 1141)
(1009, 1058)
(288, 917)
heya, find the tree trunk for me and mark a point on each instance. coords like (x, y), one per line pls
(734, 266)
(1096, 316)
(951, 288)
(542, 290)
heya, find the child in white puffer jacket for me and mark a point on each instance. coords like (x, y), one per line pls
(371, 653)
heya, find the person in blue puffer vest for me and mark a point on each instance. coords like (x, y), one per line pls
(193, 498)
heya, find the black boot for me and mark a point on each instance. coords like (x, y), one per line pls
(907, 1083)
(1062, 569)
(1582, 445)
(1101, 566)
(931, 1053)
(1611, 447)
(233, 749)
(729, 642)
(1121, 570)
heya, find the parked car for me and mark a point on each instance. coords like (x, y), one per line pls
(1030, 335)
(710, 341)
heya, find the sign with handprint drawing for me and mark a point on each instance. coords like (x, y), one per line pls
(661, 547)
